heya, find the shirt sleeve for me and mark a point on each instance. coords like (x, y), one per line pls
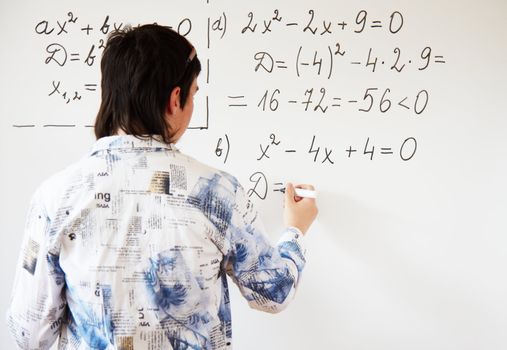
(37, 304)
(266, 274)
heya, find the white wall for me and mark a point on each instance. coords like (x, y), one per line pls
(405, 254)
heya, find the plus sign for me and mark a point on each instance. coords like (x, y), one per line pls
(350, 150)
(87, 29)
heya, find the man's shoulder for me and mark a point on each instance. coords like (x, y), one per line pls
(59, 179)
(210, 182)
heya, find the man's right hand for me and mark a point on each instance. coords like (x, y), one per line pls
(299, 212)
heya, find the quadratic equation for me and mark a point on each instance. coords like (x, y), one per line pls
(317, 152)
(258, 185)
(323, 61)
(314, 24)
(57, 52)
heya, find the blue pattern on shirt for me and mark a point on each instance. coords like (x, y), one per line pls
(131, 246)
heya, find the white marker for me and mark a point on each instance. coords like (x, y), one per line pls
(301, 192)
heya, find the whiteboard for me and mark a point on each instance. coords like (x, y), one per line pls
(394, 110)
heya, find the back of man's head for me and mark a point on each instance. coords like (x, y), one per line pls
(140, 67)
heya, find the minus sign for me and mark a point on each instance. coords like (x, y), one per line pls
(355, 62)
(352, 101)
(24, 126)
(290, 151)
(59, 126)
(291, 24)
(244, 105)
(293, 101)
(336, 105)
(88, 126)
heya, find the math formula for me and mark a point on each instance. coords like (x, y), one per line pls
(303, 62)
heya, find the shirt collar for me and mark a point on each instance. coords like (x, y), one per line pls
(153, 142)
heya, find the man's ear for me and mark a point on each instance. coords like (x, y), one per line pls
(174, 101)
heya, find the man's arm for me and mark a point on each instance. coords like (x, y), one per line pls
(267, 275)
(38, 303)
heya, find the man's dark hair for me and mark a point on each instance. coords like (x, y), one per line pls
(140, 67)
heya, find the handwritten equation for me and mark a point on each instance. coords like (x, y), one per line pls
(318, 48)
(322, 63)
(60, 55)
(320, 100)
(313, 24)
(259, 186)
(322, 153)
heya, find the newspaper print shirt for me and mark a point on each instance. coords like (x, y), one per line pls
(129, 249)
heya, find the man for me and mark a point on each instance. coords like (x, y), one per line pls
(129, 248)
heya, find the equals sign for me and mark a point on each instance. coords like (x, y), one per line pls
(376, 24)
(336, 104)
(386, 150)
(237, 100)
(281, 187)
(439, 59)
(281, 64)
(91, 87)
(74, 57)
